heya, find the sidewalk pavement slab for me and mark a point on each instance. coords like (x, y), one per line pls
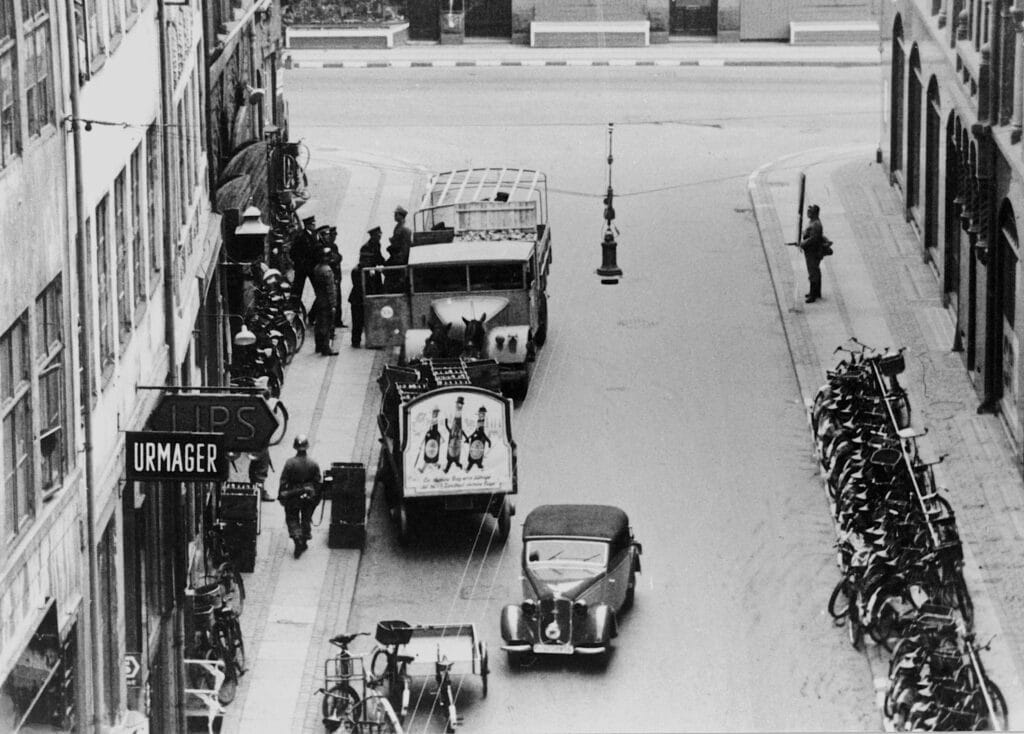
(880, 288)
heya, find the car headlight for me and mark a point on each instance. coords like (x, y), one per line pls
(529, 607)
(579, 607)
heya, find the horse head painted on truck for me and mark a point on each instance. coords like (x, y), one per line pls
(474, 327)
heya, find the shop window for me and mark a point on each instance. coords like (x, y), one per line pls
(114, 13)
(18, 506)
(92, 30)
(10, 134)
(39, 692)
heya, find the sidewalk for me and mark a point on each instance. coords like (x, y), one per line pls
(878, 288)
(293, 606)
(676, 53)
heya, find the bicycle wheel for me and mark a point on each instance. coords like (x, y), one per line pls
(999, 710)
(375, 715)
(233, 585)
(228, 638)
(854, 628)
(963, 601)
(448, 702)
(339, 704)
(839, 602)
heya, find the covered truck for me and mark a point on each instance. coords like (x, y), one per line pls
(481, 253)
(446, 442)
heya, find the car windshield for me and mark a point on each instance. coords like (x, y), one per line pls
(560, 553)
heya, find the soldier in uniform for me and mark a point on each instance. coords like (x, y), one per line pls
(300, 492)
(812, 242)
(325, 303)
(369, 257)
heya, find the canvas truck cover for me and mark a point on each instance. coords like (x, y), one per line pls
(457, 440)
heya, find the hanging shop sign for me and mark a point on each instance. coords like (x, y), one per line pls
(246, 421)
(197, 457)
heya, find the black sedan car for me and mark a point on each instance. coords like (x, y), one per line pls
(579, 573)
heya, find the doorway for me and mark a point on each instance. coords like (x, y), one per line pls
(488, 18)
(693, 17)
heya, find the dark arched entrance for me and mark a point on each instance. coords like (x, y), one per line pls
(914, 89)
(932, 127)
(954, 200)
(896, 99)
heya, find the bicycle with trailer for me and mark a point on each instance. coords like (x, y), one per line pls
(407, 651)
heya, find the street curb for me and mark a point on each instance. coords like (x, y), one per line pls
(289, 63)
(766, 217)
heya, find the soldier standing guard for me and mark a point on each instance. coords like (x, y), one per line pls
(369, 257)
(325, 303)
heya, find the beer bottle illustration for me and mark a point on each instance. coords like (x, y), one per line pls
(431, 443)
(478, 441)
(455, 436)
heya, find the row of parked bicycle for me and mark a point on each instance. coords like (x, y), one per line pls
(898, 549)
(274, 316)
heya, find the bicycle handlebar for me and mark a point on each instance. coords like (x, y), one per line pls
(343, 640)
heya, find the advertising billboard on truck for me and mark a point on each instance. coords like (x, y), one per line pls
(457, 440)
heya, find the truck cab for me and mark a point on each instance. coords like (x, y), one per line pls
(481, 252)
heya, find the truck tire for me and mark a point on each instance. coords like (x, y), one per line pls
(542, 323)
(403, 523)
(504, 520)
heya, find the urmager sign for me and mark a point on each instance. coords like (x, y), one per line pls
(182, 456)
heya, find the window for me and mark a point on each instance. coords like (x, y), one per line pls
(135, 230)
(37, 79)
(439, 278)
(114, 12)
(53, 443)
(92, 27)
(131, 7)
(104, 305)
(152, 189)
(10, 143)
(496, 277)
(183, 193)
(18, 507)
(123, 255)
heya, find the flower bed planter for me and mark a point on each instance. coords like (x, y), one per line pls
(346, 35)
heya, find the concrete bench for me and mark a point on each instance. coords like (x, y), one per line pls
(308, 36)
(589, 33)
(837, 32)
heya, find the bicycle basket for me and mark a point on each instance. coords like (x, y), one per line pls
(393, 632)
(891, 364)
(208, 596)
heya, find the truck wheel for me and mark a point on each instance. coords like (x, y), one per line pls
(542, 324)
(403, 523)
(504, 520)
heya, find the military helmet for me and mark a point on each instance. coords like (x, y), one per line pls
(301, 441)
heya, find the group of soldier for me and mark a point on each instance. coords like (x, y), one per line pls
(323, 269)
(301, 487)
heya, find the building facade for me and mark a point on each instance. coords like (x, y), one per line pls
(956, 75)
(109, 158)
(44, 594)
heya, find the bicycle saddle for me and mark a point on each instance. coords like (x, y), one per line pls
(344, 640)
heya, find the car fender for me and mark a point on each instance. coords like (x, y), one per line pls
(598, 628)
(515, 625)
(509, 344)
(415, 342)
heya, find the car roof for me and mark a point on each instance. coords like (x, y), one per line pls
(471, 251)
(589, 521)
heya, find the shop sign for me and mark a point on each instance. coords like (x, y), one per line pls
(132, 668)
(196, 457)
(247, 421)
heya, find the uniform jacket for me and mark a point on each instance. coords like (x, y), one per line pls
(813, 239)
(324, 285)
(297, 471)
